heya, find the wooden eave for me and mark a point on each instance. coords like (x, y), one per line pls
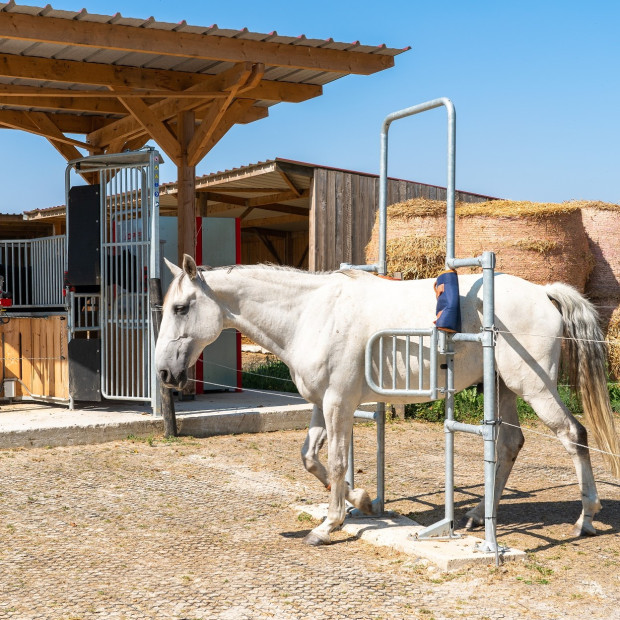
(273, 194)
(121, 81)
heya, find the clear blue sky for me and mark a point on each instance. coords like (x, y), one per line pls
(535, 84)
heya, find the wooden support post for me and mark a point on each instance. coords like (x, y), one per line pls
(167, 403)
(186, 210)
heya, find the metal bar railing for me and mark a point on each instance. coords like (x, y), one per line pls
(376, 382)
(33, 271)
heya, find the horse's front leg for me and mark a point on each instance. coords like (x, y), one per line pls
(339, 424)
(312, 445)
(317, 434)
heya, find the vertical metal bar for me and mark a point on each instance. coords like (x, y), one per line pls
(451, 181)
(394, 362)
(132, 295)
(350, 476)
(381, 361)
(433, 364)
(152, 188)
(105, 281)
(408, 363)
(122, 334)
(383, 182)
(420, 362)
(115, 325)
(449, 437)
(490, 437)
(380, 502)
(19, 274)
(70, 334)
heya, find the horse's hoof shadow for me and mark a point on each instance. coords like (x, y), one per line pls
(313, 540)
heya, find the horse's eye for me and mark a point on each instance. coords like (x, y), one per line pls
(181, 309)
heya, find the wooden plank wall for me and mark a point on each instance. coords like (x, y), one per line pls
(33, 348)
(291, 248)
(342, 213)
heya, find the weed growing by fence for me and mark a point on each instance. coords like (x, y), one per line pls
(469, 404)
(270, 375)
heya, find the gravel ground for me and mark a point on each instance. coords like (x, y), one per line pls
(204, 529)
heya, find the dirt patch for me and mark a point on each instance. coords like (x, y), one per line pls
(204, 529)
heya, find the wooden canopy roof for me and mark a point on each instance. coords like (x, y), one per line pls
(120, 81)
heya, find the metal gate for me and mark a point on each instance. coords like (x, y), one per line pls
(440, 343)
(128, 213)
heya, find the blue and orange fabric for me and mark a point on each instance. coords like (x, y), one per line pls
(448, 308)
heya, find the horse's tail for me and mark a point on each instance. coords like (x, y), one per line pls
(586, 353)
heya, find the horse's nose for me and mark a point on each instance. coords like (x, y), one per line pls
(164, 376)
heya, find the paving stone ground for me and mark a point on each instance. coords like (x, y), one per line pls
(203, 529)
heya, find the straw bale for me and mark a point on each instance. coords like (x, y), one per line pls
(541, 242)
(416, 257)
(601, 222)
(613, 336)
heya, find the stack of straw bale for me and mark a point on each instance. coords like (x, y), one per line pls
(613, 336)
(541, 242)
(576, 242)
(601, 222)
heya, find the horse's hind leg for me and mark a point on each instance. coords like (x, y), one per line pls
(552, 411)
(310, 457)
(509, 442)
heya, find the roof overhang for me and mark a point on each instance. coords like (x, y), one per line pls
(119, 81)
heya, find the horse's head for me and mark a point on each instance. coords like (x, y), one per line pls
(191, 320)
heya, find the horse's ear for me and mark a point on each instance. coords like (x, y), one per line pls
(173, 268)
(189, 266)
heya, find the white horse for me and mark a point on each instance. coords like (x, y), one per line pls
(319, 323)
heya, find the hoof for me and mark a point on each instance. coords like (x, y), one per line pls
(470, 523)
(361, 500)
(366, 505)
(315, 541)
(584, 530)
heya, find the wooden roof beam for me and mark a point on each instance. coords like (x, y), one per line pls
(249, 115)
(67, 123)
(258, 201)
(241, 190)
(186, 44)
(68, 104)
(167, 109)
(281, 220)
(288, 181)
(38, 123)
(236, 113)
(145, 116)
(96, 74)
(58, 141)
(248, 79)
(153, 81)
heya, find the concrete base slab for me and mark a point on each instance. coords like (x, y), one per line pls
(397, 531)
(28, 424)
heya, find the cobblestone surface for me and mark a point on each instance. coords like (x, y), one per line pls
(203, 529)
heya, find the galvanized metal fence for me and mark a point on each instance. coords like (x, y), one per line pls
(33, 271)
(444, 345)
(129, 210)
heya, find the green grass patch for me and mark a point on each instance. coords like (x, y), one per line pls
(270, 375)
(469, 406)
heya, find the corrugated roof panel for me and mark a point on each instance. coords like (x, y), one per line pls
(83, 15)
